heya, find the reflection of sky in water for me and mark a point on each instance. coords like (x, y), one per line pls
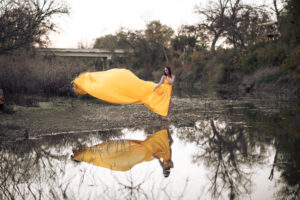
(199, 174)
(187, 179)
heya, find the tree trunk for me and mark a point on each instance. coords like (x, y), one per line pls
(166, 56)
(213, 44)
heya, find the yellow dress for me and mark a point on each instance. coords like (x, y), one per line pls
(122, 155)
(121, 86)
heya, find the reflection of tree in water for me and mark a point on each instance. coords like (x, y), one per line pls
(230, 149)
(41, 169)
(132, 189)
(23, 168)
(288, 163)
(284, 128)
(228, 152)
(29, 169)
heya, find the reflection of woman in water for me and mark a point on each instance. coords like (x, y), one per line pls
(122, 155)
(121, 86)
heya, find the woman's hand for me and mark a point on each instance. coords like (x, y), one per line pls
(160, 82)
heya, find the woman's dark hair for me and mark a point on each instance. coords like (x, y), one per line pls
(169, 71)
(166, 168)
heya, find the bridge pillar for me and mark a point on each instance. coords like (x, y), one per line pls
(101, 64)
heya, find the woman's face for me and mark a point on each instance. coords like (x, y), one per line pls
(166, 71)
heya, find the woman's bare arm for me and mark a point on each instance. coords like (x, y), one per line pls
(170, 138)
(171, 81)
(160, 162)
(160, 82)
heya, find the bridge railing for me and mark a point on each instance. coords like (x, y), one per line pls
(92, 53)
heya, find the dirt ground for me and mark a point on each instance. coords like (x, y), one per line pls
(59, 115)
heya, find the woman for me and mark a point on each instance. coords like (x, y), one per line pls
(121, 86)
(168, 80)
(122, 155)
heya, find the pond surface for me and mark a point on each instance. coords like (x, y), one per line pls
(238, 148)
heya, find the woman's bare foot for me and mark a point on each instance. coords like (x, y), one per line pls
(167, 118)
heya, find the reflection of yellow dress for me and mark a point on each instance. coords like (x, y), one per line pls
(122, 155)
(121, 86)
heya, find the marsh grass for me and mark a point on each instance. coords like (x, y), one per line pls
(29, 73)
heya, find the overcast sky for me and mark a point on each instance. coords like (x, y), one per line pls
(89, 19)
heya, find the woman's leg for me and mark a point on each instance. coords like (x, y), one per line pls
(170, 106)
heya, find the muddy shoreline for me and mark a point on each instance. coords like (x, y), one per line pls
(61, 115)
(39, 115)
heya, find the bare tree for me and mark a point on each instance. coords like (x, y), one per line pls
(26, 23)
(214, 18)
(242, 22)
(277, 8)
(232, 20)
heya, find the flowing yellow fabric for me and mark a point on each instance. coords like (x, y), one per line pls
(122, 155)
(121, 86)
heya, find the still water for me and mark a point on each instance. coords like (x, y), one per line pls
(237, 148)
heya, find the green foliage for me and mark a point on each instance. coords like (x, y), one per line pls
(270, 79)
(292, 60)
(109, 42)
(198, 63)
(182, 42)
(158, 34)
(189, 39)
(290, 23)
(248, 61)
(272, 54)
(255, 57)
(192, 69)
(148, 50)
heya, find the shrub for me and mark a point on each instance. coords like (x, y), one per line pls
(292, 61)
(32, 74)
(267, 54)
(272, 54)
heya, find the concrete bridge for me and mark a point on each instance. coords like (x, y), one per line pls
(88, 53)
(101, 57)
